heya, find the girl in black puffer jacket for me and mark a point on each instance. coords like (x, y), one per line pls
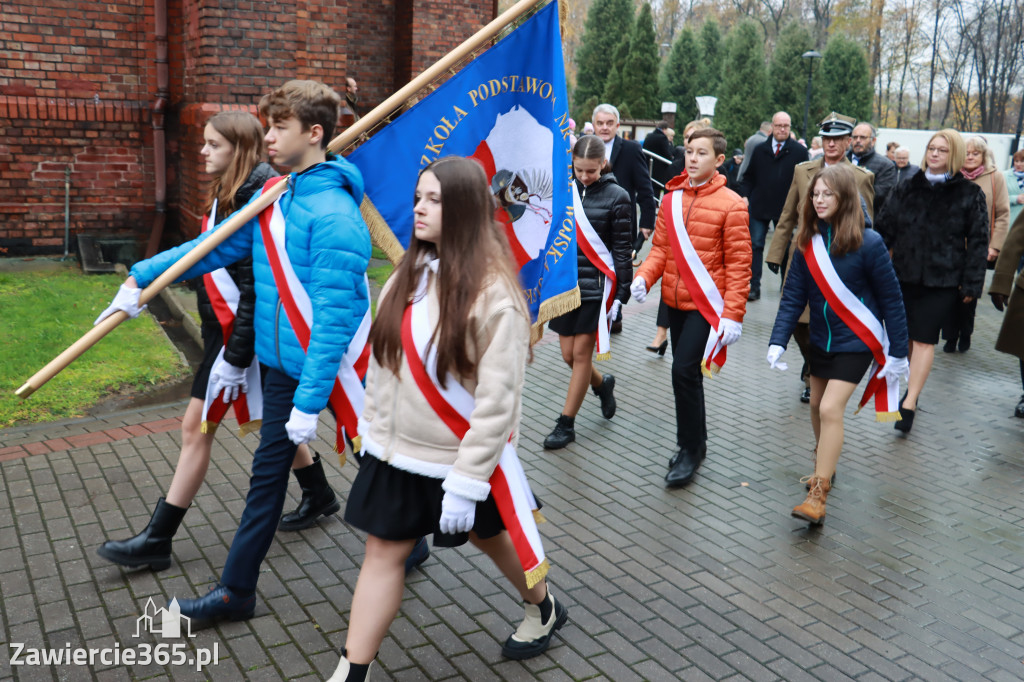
(233, 149)
(936, 225)
(607, 208)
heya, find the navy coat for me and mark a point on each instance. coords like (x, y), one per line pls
(868, 273)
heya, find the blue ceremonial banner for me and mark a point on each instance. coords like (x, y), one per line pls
(507, 109)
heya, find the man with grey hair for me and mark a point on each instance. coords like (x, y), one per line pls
(627, 162)
(748, 147)
(904, 169)
(862, 153)
(626, 159)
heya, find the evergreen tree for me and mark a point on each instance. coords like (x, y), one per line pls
(615, 84)
(678, 79)
(787, 79)
(743, 99)
(607, 22)
(712, 55)
(640, 74)
(845, 78)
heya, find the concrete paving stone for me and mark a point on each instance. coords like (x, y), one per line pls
(916, 569)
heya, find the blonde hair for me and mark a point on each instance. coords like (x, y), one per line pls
(979, 144)
(957, 150)
(699, 124)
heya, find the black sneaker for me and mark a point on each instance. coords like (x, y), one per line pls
(805, 397)
(533, 637)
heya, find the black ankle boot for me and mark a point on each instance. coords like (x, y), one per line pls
(318, 498)
(152, 546)
(563, 434)
(604, 392)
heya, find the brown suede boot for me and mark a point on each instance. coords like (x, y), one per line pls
(813, 508)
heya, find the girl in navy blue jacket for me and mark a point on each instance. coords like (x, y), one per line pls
(839, 358)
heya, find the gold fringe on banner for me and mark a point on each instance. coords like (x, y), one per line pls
(380, 232)
(552, 308)
(888, 417)
(208, 427)
(604, 356)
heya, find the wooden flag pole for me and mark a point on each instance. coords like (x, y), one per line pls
(251, 210)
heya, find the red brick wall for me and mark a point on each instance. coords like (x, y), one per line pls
(57, 55)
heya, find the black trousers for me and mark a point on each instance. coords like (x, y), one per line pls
(689, 333)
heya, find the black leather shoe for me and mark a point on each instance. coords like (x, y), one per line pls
(563, 434)
(220, 603)
(420, 553)
(805, 397)
(151, 547)
(675, 457)
(318, 498)
(965, 344)
(1019, 412)
(949, 346)
(604, 392)
(683, 470)
(754, 295)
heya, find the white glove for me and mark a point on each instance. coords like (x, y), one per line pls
(226, 377)
(638, 289)
(730, 331)
(301, 427)
(457, 514)
(614, 312)
(774, 353)
(127, 299)
(895, 368)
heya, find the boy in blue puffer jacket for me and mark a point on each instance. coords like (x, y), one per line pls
(326, 244)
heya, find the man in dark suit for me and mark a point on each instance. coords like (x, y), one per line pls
(862, 153)
(765, 184)
(658, 142)
(627, 161)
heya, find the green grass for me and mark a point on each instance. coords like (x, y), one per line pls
(41, 314)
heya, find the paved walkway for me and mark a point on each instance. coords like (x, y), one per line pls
(916, 575)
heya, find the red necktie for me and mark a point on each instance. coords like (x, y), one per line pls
(778, 148)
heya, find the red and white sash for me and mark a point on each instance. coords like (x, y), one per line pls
(224, 296)
(601, 258)
(348, 394)
(454, 405)
(863, 323)
(698, 281)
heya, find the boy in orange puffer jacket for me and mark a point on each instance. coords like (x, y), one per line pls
(702, 248)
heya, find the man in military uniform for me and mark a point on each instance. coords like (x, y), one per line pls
(835, 139)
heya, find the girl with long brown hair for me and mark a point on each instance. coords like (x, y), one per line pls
(450, 342)
(832, 227)
(233, 151)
